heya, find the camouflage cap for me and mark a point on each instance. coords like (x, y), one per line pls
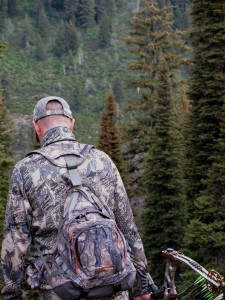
(41, 111)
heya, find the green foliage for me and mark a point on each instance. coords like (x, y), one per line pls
(42, 22)
(12, 8)
(86, 13)
(6, 159)
(27, 37)
(164, 209)
(209, 213)
(118, 89)
(207, 91)
(66, 39)
(101, 8)
(3, 13)
(151, 40)
(3, 46)
(105, 30)
(109, 138)
(206, 165)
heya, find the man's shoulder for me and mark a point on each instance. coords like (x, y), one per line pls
(25, 161)
(100, 154)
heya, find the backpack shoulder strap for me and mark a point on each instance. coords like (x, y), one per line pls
(71, 166)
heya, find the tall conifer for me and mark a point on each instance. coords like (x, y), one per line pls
(205, 234)
(151, 39)
(86, 13)
(3, 14)
(164, 213)
(109, 138)
(6, 159)
(207, 91)
(206, 164)
(105, 30)
(28, 33)
(42, 21)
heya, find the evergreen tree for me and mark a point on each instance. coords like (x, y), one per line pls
(6, 84)
(71, 9)
(3, 14)
(72, 39)
(206, 163)
(58, 4)
(40, 50)
(42, 21)
(6, 159)
(207, 92)
(118, 89)
(102, 7)
(208, 226)
(61, 40)
(181, 10)
(28, 34)
(109, 138)
(150, 39)
(3, 46)
(66, 39)
(105, 31)
(86, 13)
(164, 210)
(12, 8)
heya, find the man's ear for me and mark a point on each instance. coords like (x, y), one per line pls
(36, 128)
(72, 123)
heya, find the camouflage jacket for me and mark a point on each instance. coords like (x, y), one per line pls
(35, 204)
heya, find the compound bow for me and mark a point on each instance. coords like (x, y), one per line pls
(209, 285)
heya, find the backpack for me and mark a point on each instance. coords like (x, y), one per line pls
(91, 257)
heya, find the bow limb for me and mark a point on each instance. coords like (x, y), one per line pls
(212, 277)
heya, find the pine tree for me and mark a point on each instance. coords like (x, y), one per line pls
(102, 7)
(206, 139)
(42, 21)
(164, 209)
(151, 39)
(105, 31)
(181, 10)
(40, 50)
(61, 40)
(71, 9)
(207, 228)
(118, 89)
(3, 14)
(207, 92)
(86, 13)
(6, 159)
(12, 8)
(109, 138)
(72, 39)
(6, 84)
(66, 39)
(28, 33)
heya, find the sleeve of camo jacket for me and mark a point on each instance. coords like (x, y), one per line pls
(16, 239)
(125, 221)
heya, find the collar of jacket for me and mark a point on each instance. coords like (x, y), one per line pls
(57, 134)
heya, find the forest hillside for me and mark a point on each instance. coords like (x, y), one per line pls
(145, 81)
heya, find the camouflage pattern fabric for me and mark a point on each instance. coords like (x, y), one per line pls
(40, 110)
(35, 205)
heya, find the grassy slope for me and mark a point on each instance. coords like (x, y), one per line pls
(31, 79)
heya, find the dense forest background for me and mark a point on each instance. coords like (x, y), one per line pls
(146, 82)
